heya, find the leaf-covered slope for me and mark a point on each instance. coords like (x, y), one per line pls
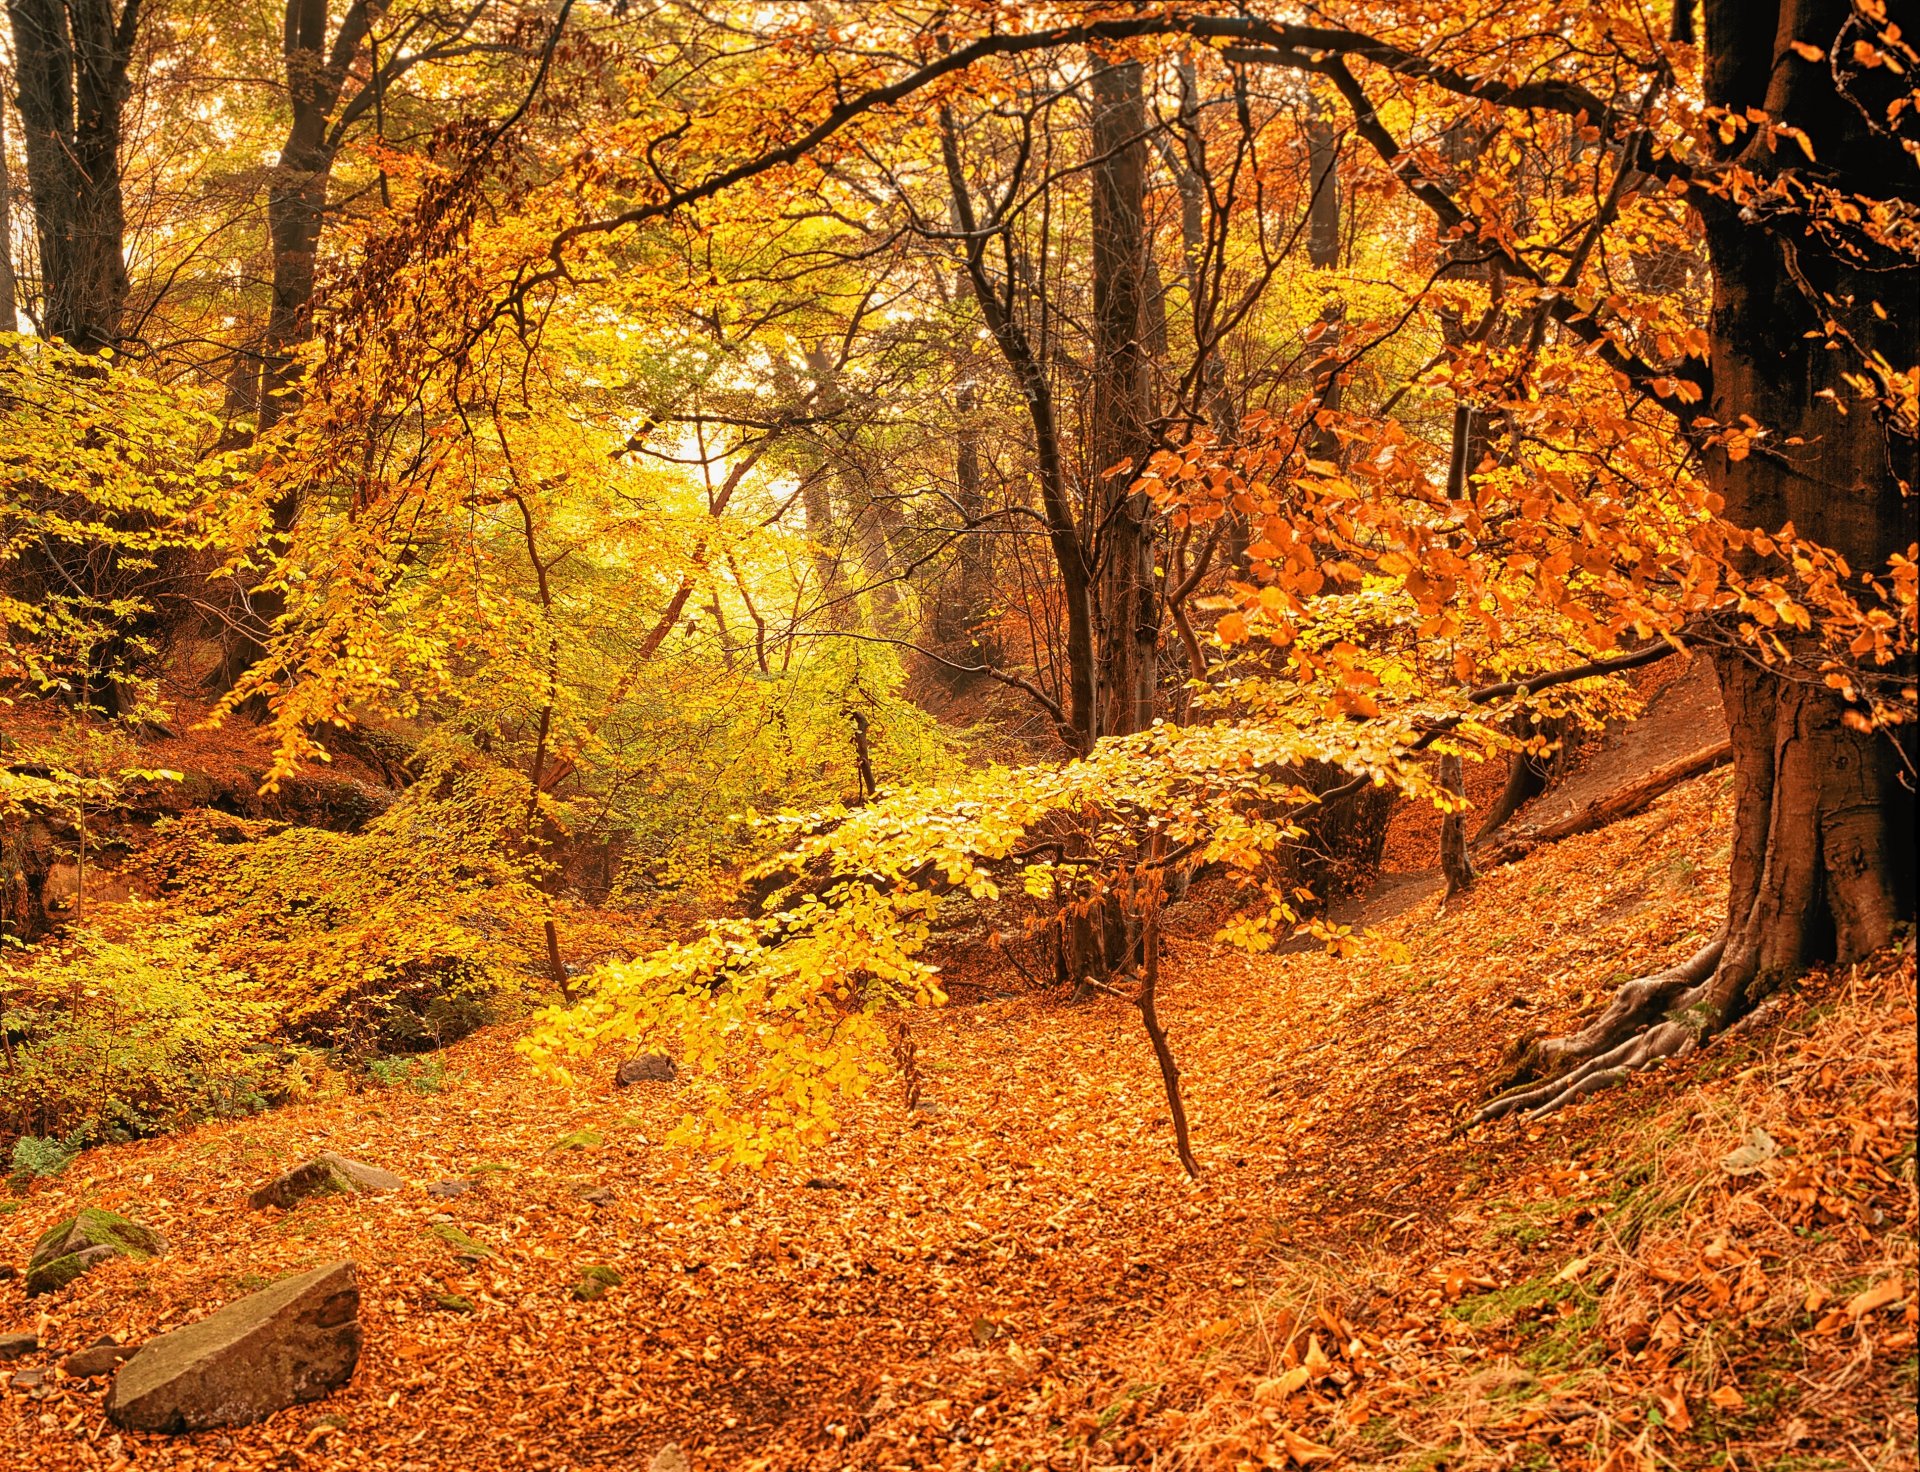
(1018, 1274)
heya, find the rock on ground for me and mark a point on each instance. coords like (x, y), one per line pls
(101, 1358)
(82, 1242)
(284, 1345)
(647, 1068)
(326, 1172)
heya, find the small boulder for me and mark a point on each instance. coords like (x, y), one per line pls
(102, 1357)
(29, 1379)
(82, 1242)
(18, 1346)
(447, 1190)
(595, 1195)
(291, 1343)
(655, 1068)
(670, 1459)
(325, 1173)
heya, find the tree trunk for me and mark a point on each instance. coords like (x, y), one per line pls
(1079, 715)
(71, 60)
(1817, 871)
(1323, 210)
(297, 195)
(1117, 443)
(9, 313)
(1456, 863)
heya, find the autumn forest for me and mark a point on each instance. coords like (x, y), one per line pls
(1004, 734)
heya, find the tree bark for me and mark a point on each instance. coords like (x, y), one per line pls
(9, 312)
(71, 59)
(1456, 862)
(1117, 436)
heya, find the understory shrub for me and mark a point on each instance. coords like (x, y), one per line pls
(108, 1039)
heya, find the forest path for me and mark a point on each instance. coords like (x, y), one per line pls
(1033, 1219)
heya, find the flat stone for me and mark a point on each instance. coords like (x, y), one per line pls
(98, 1359)
(29, 1379)
(447, 1190)
(82, 1242)
(670, 1459)
(283, 1346)
(655, 1068)
(327, 1173)
(18, 1346)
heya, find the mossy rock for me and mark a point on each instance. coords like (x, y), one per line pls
(82, 1242)
(462, 1245)
(594, 1282)
(453, 1303)
(588, 1139)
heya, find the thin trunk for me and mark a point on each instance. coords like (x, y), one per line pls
(1323, 253)
(1455, 862)
(1063, 533)
(9, 313)
(1117, 432)
(1323, 208)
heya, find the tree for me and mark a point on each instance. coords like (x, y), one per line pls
(71, 60)
(1812, 318)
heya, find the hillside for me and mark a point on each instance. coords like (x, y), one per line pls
(1712, 1266)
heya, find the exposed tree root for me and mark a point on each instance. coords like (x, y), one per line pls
(1666, 1015)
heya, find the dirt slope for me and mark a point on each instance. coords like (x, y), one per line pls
(1016, 1276)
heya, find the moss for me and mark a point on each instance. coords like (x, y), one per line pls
(581, 1140)
(594, 1282)
(1503, 1305)
(459, 1241)
(453, 1303)
(1570, 1339)
(82, 1242)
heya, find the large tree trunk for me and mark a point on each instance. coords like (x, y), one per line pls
(71, 60)
(1117, 443)
(1818, 870)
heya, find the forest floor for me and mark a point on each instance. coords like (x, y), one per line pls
(1712, 1266)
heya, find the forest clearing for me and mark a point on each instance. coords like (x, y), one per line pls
(985, 734)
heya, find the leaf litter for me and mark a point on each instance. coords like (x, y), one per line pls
(1022, 1277)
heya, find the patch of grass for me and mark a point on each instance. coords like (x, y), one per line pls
(1528, 1223)
(1504, 1305)
(422, 1075)
(1570, 1339)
